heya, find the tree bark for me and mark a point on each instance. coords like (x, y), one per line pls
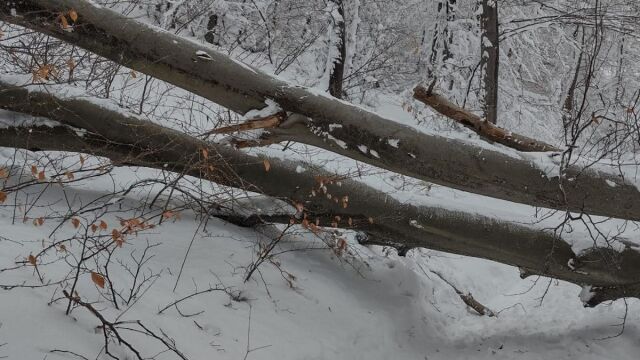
(490, 58)
(337, 73)
(205, 72)
(131, 141)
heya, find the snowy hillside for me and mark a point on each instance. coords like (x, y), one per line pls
(309, 303)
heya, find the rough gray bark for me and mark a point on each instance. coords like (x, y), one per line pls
(490, 58)
(337, 73)
(205, 72)
(131, 141)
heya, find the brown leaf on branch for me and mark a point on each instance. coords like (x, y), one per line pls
(97, 279)
(73, 15)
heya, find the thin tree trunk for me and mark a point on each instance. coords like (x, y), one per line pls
(337, 73)
(490, 58)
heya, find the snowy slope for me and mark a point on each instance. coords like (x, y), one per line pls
(368, 304)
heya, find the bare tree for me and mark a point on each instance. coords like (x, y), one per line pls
(337, 73)
(489, 59)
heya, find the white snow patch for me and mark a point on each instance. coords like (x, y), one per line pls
(203, 55)
(586, 294)
(340, 143)
(415, 224)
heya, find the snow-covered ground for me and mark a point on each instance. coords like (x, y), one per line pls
(366, 304)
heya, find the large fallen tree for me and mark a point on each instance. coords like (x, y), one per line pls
(130, 141)
(314, 116)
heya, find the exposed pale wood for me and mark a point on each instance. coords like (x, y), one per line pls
(267, 122)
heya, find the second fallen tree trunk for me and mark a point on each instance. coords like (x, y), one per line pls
(325, 197)
(332, 124)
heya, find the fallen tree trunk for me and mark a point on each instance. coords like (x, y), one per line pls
(330, 200)
(327, 122)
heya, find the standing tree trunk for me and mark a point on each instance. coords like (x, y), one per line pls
(490, 59)
(337, 73)
(442, 38)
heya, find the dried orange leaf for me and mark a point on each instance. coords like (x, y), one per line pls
(103, 225)
(97, 279)
(34, 170)
(41, 176)
(4, 173)
(205, 153)
(267, 165)
(3, 197)
(133, 74)
(71, 64)
(75, 222)
(63, 21)
(73, 15)
(69, 175)
(32, 260)
(94, 227)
